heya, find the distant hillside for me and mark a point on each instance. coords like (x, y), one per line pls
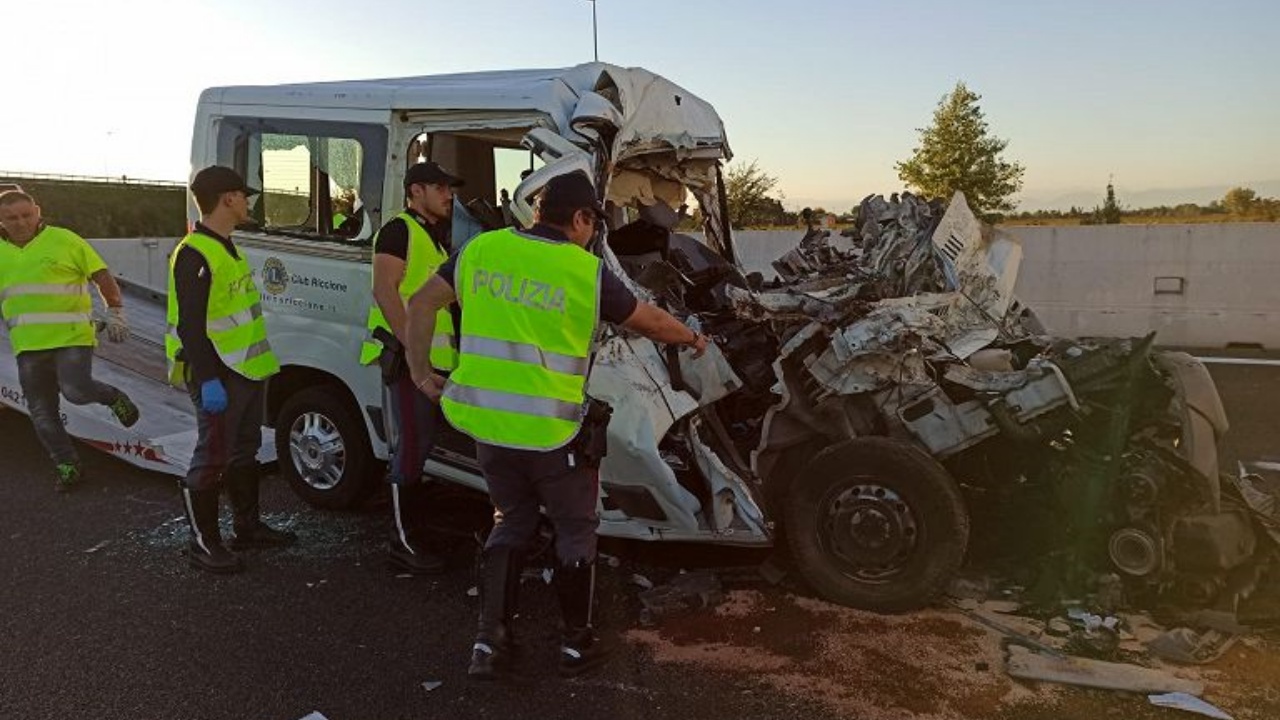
(1201, 195)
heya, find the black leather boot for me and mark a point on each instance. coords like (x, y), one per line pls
(205, 550)
(406, 550)
(498, 580)
(249, 530)
(580, 649)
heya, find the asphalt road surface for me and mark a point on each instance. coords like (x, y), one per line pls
(100, 617)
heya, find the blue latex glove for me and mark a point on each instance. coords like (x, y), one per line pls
(213, 396)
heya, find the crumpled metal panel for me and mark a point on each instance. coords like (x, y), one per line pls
(923, 284)
(997, 382)
(827, 305)
(942, 426)
(642, 415)
(896, 242)
(733, 509)
(1203, 418)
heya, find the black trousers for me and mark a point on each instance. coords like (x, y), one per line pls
(230, 438)
(522, 480)
(412, 422)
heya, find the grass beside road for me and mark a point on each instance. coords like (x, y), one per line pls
(109, 209)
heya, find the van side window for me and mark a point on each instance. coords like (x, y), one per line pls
(320, 180)
(311, 184)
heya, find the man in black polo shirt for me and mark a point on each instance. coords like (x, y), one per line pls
(407, 250)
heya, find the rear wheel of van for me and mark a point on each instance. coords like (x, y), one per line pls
(876, 524)
(323, 449)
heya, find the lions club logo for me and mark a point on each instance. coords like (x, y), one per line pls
(274, 276)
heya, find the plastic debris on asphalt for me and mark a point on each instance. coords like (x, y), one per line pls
(685, 592)
(1184, 645)
(1028, 665)
(1189, 703)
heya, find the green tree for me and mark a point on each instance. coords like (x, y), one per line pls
(747, 189)
(958, 152)
(1269, 209)
(1109, 213)
(1239, 201)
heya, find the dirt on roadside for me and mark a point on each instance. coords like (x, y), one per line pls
(930, 664)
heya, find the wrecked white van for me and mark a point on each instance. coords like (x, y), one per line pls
(865, 407)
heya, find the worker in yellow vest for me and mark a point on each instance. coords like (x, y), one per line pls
(44, 298)
(408, 249)
(531, 303)
(217, 348)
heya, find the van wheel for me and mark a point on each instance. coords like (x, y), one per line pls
(876, 524)
(323, 450)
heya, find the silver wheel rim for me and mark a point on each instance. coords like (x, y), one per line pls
(319, 455)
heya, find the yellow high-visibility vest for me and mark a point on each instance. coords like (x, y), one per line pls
(234, 319)
(530, 307)
(44, 290)
(423, 259)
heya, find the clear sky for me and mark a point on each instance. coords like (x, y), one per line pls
(827, 96)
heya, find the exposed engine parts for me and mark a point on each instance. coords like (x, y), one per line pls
(907, 328)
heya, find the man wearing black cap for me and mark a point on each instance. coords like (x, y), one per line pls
(407, 250)
(531, 303)
(217, 348)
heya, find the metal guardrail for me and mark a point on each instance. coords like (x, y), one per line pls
(122, 180)
(101, 179)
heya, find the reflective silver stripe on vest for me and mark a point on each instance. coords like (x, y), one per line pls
(49, 319)
(441, 341)
(231, 322)
(524, 353)
(513, 402)
(239, 357)
(43, 289)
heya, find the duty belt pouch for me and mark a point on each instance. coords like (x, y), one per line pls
(592, 441)
(391, 360)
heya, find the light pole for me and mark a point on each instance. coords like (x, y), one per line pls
(595, 42)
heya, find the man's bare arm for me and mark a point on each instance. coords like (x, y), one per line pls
(659, 325)
(108, 288)
(388, 271)
(420, 326)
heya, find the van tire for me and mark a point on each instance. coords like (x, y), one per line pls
(323, 449)
(876, 524)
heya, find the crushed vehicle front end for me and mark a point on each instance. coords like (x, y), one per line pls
(886, 403)
(1075, 458)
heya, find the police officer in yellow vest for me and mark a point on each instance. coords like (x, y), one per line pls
(217, 348)
(44, 298)
(407, 250)
(531, 302)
